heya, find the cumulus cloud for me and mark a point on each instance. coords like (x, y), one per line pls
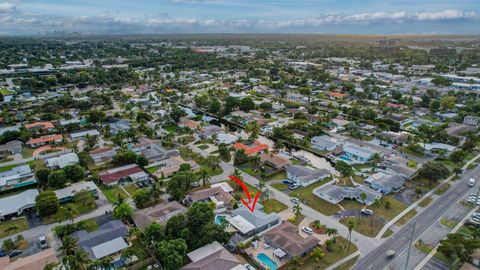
(7, 7)
(158, 23)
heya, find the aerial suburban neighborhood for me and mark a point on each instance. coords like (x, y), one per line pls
(238, 151)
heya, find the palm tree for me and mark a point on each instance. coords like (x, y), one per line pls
(476, 233)
(295, 262)
(297, 210)
(317, 223)
(212, 161)
(127, 255)
(204, 176)
(376, 158)
(104, 263)
(318, 254)
(70, 213)
(262, 187)
(363, 197)
(350, 226)
(256, 161)
(332, 232)
(69, 246)
(253, 129)
(79, 260)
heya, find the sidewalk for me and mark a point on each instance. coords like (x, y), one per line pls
(344, 260)
(415, 204)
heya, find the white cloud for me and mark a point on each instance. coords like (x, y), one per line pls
(7, 7)
(114, 23)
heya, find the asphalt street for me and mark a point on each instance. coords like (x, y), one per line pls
(377, 260)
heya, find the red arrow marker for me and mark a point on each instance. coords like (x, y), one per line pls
(245, 189)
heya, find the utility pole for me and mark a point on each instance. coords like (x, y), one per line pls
(410, 245)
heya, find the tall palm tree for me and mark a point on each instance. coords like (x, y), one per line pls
(104, 263)
(332, 232)
(204, 176)
(69, 246)
(297, 210)
(350, 226)
(70, 213)
(363, 197)
(256, 161)
(79, 260)
(295, 262)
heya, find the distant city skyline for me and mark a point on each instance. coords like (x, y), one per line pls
(30, 17)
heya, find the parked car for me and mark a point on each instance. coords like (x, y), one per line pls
(15, 253)
(367, 212)
(295, 200)
(287, 182)
(42, 242)
(2, 253)
(307, 230)
(390, 253)
(294, 186)
(195, 184)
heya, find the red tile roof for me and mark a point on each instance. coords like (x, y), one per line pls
(108, 178)
(44, 125)
(257, 147)
(45, 139)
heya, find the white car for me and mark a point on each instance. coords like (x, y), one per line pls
(367, 212)
(307, 230)
(295, 200)
(42, 242)
(248, 266)
(471, 182)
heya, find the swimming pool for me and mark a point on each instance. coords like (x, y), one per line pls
(219, 219)
(267, 261)
(345, 158)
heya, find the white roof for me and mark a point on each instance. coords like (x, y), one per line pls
(446, 147)
(92, 132)
(109, 247)
(358, 150)
(74, 188)
(241, 224)
(224, 185)
(205, 251)
(62, 161)
(14, 203)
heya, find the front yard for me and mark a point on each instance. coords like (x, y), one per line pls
(7, 227)
(112, 193)
(368, 226)
(273, 206)
(388, 207)
(305, 194)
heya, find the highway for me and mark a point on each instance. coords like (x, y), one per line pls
(376, 259)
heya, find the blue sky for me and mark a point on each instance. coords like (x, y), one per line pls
(24, 17)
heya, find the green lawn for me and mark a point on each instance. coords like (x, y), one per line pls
(273, 205)
(406, 218)
(8, 168)
(340, 251)
(153, 169)
(348, 265)
(307, 196)
(6, 92)
(442, 189)
(448, 223)
(277, 176)
(395, 208)
(27, 152)
(112, 193)
(203, 146)
(21, 224)
(366, 226)
(423, 247)
(425, 202)
(280, 186)
(130, 188)
(294, 220)
(171, 128)
(412, 164)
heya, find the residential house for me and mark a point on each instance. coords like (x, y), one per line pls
(226, 138)
(286, 238)
(49, 139)
(276, 161)
(119, 126)
(305, 176)
(398, 138)
(353, 153)
(40, 127)
(160, 213)
(83, 134)
(248, 223)
(125, 173)
(16, 205)
(62, 161)
(172, 165)
(335, 194)
(37, 261)
(212, 257)
(208, 132)
(108, 240)
(187, 123)
(434, 146)
(10, 148)
(217, 195)
(152, 150)
(251, 149)
(325, 143)
(103, 154)
(17, 177)
(66, 194)
(385, 183)
(340, 124)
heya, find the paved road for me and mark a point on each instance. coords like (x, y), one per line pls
(376, 259)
